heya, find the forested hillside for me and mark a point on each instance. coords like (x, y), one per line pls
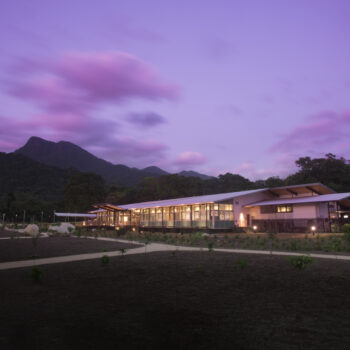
(29, 185)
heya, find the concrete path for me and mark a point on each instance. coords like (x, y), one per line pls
(150, 248)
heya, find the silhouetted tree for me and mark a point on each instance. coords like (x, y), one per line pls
(83, 190)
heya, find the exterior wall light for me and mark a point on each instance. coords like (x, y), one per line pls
(117, 228)
(133, 229)
(346, 216)
(255, 227)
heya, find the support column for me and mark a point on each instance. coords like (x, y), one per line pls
(213, 217)
(191, 219)
(162, 217)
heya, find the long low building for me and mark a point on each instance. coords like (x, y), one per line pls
(295, 208)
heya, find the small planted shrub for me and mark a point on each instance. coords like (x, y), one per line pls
(78, 231)
(105, 260)
(241, 264)
(123, 251)
(345, 228)
(36, 274)
(210, 246)
(346, 231)
(302, 262)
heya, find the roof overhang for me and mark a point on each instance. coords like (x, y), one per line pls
(315, 188)
(343, 198)
(75, 215)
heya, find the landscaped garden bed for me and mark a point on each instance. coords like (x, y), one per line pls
(29, 248)
(308, 243)
(178, 300)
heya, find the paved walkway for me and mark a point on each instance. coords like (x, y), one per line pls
(150, 248)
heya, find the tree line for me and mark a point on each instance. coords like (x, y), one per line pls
(84, 189)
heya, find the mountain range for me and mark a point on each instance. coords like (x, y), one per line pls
(67, 155)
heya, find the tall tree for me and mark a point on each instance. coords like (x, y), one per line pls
(331, 171)
(83, 190)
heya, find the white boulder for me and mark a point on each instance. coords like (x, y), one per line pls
(31, 230)
(64, 228)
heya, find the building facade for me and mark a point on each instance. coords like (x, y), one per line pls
(282, 209)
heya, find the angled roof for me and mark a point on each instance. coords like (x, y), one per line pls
(315, 187)
(312, 188)
(76, 215)
(189, 200)
(333, 197)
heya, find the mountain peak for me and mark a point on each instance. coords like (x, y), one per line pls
(64, 154)
(155, 170)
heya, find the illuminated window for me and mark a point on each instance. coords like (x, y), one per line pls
(284, 209)
(270, 209)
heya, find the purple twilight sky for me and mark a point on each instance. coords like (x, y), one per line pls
(214, 86)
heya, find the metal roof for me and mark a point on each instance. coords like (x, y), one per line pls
(315, 187)
(76, 215)
(333, 197)
(97, 211)
(189, 200)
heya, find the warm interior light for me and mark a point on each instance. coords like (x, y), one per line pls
(125, 218)
(241, 219)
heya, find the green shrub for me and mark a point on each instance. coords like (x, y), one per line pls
(36, 274)
(105, 260)
(300, 262)
(241, 264)
(123, 251)
(210, 246)
(346, 230)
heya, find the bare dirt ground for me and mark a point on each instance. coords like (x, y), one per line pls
(27, 248)
(181, 300)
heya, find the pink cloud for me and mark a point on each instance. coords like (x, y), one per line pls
(189, 158)
(146, 119)
(70, 89)
(321, 133)
(78, 79)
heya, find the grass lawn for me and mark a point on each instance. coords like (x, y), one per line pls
(26, 248)
(181, 300)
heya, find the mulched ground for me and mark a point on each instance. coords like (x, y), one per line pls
(181, 300)
(22, 249)
(7, 233)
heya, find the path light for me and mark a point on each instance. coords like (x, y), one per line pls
(313, 229)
